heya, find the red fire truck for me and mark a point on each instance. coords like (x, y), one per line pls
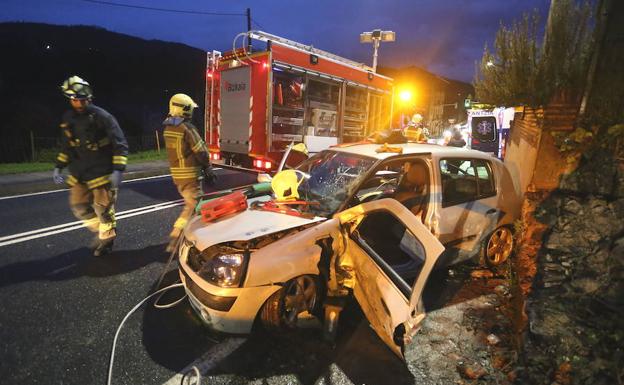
(260, 101)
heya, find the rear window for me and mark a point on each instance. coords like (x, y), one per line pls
(465, 180)
(484, 128)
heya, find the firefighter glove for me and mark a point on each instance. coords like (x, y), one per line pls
(115, 179)
(57, 176)
(209, 176)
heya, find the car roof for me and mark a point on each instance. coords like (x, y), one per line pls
(370, 150)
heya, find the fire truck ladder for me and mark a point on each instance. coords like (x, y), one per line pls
(264, 36)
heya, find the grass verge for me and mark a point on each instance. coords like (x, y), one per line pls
(19, 168)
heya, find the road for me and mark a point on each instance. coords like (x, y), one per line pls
(61, 307)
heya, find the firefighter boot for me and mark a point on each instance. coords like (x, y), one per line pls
(104, 247)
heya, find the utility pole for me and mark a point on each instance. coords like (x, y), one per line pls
(248, 13)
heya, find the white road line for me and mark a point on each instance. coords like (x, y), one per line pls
(65, 189)
(118, 215)
(31, 194)
(18, 238)
(208, 360)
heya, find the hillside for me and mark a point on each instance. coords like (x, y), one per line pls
(131, 77)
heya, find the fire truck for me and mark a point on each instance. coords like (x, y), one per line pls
(260, 101)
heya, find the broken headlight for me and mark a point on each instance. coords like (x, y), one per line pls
(225, 270)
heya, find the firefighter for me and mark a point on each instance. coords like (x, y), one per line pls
(95, 149)
(188, 158)
(414, 131)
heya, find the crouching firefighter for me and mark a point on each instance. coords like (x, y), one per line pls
(188, 158)
(95, 149)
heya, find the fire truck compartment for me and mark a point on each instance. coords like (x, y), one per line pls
(235, 110)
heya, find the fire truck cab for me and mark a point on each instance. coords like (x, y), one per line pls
(260, 101)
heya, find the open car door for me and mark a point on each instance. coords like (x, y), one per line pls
(392, 254)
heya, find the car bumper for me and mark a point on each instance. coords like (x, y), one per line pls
(227, 310)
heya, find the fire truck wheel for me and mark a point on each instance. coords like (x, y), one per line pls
(298, 296)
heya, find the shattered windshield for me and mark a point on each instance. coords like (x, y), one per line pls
(332, 175)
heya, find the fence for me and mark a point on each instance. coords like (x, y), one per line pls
(31, 148)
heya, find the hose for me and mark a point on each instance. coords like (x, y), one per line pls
(112, 358)
(156, 305)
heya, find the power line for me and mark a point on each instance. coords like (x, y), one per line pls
(256, 23)
(163, 9)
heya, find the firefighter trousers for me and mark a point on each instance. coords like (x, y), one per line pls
(95, 207)
(190, 191)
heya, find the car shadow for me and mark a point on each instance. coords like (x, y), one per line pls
(302, 356)
(176, 337)
(78, 263)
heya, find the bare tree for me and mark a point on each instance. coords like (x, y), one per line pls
(521, 70)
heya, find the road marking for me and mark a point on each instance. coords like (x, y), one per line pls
(65, 189)
(208, 360)
(118, 215)
(65, 227)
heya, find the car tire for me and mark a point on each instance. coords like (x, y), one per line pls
(498, 246)
(296, 296)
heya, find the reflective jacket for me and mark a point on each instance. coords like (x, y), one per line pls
(93, 145)
(186, 151)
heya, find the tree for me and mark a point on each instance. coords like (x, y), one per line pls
(522, 71)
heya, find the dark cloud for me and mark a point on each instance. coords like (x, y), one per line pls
(446, 37)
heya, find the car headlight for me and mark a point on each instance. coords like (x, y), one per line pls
(225, 270)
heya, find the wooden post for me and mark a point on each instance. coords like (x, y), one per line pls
(157, 141)
(32, 146)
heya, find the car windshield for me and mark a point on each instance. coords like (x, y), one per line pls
(332, 175)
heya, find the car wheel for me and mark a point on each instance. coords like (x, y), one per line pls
(498, 246)
(282, 309)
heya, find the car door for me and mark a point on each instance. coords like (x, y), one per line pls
(468, 208)
(391, 254)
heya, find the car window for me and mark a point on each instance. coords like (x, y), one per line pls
(393, 246)
(484, 178)
(465, 180)
(330, 177)
(383, 182)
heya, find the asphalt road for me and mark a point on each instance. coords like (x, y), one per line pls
(61, 308)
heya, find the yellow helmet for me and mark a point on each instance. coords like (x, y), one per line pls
(285, 184)
(76, 88)
(181, 105)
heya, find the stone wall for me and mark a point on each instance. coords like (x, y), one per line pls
(576, 302)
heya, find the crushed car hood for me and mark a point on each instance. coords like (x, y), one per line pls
(242, 226)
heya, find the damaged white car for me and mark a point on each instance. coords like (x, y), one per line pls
(369, 220)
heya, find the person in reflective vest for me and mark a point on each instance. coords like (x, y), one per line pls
(188, 158)
(95, 150)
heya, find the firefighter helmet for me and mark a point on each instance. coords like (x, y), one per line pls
(181, 105)
(76, 88)
(285, 185)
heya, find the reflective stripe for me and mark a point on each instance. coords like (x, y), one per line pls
(71, 180)
(172, 134)
(185, 176)
(62, 157)
(197, 147)
(104, 227)
(120, 159)
(97, 182)
(180, 223)
(92, 224)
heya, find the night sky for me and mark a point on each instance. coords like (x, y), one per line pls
(444, 36)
